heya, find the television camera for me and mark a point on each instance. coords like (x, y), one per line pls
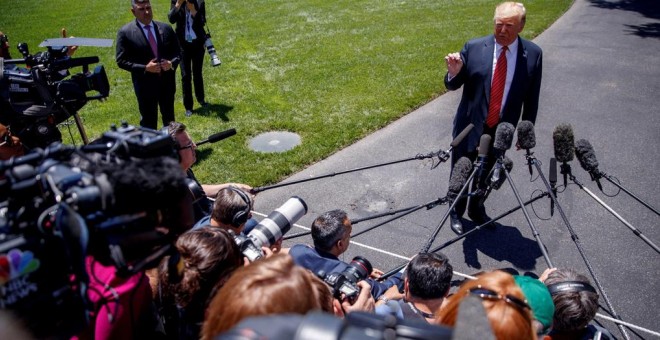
(120, 201)
(37, 97)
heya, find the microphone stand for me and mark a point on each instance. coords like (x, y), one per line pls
(358, 220)
(428, 244)
(611, 180)
(529, 220)
(626, 223)
(465, 234)
(566, 170)
(442, 155)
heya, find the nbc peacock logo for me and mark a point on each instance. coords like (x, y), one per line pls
(17, 263)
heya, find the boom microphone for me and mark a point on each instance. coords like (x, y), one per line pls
(587, 158)
(459, 175)
(503, 136)
(461, 136)
(216, 137)
(562, 139)
(553, 183)
(526, 139)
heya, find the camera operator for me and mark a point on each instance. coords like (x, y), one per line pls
(426, 284)
(331, 232)
(155, 189)
(186, 151)
(150, 51)
(190, 17)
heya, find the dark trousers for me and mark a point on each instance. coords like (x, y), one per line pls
(191, 72)
(154, 91)
(478, 182)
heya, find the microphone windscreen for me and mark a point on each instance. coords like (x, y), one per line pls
(562, 139)
(459, 175)
(504, 136)
(461, 136)
(508, 163)
(526, 137)
(484, 145)
(585, 154)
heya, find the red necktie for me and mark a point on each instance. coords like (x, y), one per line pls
(497, 90)
(152, 41)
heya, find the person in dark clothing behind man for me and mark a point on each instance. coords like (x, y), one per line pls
(501, 79)
(426, 283)
(190, 17)
(150, 51)
(331, 232)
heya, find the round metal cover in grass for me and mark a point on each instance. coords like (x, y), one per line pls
(275, 141)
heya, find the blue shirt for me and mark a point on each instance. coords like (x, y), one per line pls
(316, 260)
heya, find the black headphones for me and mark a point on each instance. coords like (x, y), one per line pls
(570, 286)
(243, 215)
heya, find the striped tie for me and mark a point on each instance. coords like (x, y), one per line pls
(497, 90)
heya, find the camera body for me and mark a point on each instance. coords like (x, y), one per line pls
(43, 94)
(344, 284)
(208, 43)
(60, 205)
(271, 228)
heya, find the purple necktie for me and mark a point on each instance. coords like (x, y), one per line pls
(152, 41)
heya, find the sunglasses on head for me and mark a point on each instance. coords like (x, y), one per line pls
(488, 294)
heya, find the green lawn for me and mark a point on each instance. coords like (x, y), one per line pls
(330, 71)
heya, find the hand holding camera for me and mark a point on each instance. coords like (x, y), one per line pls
(364, 301)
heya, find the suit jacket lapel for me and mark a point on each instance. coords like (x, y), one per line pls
(519, 75)
(488, 48)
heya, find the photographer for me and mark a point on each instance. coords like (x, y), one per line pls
(186, 149)
(270, 286)
(190, 17)
(426, 284)
(331, 233)
(188, 282)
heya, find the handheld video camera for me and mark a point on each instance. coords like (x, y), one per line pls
(271, 228)
(344, 284)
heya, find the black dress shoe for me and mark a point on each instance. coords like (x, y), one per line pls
(455, 223)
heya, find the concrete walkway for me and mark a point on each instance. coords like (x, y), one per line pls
(601, 75)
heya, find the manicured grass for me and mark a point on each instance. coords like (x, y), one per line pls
(330, 71)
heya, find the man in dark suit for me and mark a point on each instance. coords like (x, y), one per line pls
(150, 51)
(190, 17)
(492, 95)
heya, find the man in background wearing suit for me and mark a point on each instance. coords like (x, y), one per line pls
(501, 78)
(190, 17)
(150, 51)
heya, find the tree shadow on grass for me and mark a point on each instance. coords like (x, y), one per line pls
(220, 110)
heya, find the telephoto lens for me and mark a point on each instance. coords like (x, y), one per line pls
(215, 60)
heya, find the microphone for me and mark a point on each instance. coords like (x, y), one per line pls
(526, 139)
(459, 176)
(216, 137)
(503, 137)
(587, 158)
(461, 136)
(562, 139)
(553, 183)
(482, 158)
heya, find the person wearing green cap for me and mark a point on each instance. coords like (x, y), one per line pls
(539, 298)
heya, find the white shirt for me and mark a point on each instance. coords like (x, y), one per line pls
(511, 58)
